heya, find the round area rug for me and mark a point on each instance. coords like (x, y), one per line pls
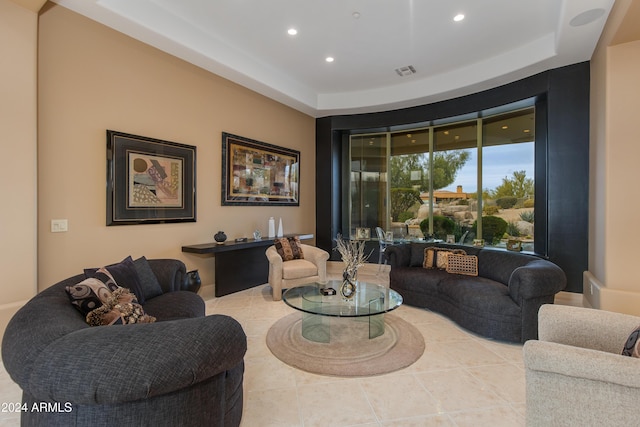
(349, 353)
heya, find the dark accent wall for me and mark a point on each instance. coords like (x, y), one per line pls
(562, 159)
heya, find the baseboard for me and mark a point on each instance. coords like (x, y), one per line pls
(604, 297)
(591, 288)
(571, 298)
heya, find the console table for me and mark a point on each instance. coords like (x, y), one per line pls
(239, 265)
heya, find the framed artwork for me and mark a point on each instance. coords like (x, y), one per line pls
(149, 181)
(363, 233)
(514, 245)
(255, 173)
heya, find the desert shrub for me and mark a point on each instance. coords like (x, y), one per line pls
(463, 202)
(506, 202)
(459, 230)
(403, 216)
(402, 199)
(512, 229)
(529, 203)
(527, 216)
(441, 226)
(490, 210)
(493, 228)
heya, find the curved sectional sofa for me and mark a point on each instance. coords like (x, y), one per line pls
(185, 369)
(501, 302)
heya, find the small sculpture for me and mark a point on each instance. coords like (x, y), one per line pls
(280, 230)
(220, 237)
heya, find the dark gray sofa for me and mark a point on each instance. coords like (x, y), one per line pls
(502, 302)
(183, 370)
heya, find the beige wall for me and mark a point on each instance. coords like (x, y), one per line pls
(612, 281)
(18, 173)
(92, 78)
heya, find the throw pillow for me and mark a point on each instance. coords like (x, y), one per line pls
(289, 248)
(91, 293)
(462, 264)
(121, 308)
(125, 275)
(632, 346)
(435, 257)
(148, 281)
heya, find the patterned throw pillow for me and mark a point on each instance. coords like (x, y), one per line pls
(121, 308)
(438, 257)
(632, 346)
(103, 302)
(92, 292)
(125, 275)
(462, 264)
(289, 248)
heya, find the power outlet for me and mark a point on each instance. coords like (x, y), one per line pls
(59, 225)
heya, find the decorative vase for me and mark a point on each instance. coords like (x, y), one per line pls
(349, 283)
(193, 280)
(280, 231)
(272, 228)
(220, 237)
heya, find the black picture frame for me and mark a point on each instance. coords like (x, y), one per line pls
(149, 181)
(256, 173)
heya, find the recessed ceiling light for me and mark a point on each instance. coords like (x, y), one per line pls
(292, 31)
(356, 15)
(329, 59)
(459, 17)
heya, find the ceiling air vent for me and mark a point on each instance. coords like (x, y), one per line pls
(406, 71)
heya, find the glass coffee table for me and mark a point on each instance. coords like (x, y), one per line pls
(320, 311)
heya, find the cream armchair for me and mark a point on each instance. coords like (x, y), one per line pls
(575, 374)
(297, 272)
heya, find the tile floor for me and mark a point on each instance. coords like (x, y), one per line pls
(461, 379)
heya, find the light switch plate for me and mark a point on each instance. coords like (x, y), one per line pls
(59, 225)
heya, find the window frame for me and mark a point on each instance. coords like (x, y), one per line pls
(478, 119)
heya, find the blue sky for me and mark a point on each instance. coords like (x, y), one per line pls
(498, 162)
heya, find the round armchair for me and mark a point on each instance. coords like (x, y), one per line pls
(296, 272)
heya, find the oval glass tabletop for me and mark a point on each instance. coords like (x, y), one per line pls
(369, 300)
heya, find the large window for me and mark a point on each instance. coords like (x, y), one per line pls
(368, 182)
(464, 180)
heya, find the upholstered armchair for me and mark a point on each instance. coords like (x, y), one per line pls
(296, 272)
(575, 373)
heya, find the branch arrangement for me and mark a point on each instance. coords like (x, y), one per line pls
(352, 252)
